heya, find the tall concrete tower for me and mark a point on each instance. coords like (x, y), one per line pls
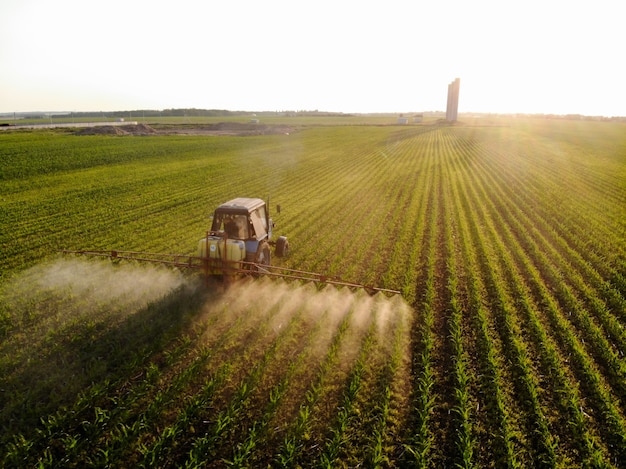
(452, 110)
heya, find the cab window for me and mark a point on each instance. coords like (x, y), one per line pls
(235, 226)
(259, 222)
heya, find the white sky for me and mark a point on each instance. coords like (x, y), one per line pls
(552, 56)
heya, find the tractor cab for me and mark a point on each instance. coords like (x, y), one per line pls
(246, 220)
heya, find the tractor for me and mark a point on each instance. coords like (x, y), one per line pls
(240, 238)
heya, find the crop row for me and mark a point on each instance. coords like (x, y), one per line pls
(512, 244)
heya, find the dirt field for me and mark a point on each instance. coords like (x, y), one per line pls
(220, 128)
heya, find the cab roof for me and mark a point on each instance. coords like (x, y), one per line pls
(242, 204)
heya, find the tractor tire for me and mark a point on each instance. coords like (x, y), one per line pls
(282, 247)
(263, 255)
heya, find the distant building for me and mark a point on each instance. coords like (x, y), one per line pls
(452, 109)
(403, 120)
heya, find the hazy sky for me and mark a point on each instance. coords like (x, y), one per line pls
(536, 56)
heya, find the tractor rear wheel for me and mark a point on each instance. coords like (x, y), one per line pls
(282, 246)
(263, 256)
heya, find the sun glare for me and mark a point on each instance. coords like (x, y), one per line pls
(353, 57)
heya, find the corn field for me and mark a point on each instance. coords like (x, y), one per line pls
(505, 348)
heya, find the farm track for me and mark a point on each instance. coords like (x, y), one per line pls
(506, 348)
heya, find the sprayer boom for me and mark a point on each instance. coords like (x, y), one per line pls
(231, 269)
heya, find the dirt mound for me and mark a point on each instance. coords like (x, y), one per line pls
(139, 129)
(238, 128)
(101, 130)
(220, 128)
(228, 128)
(132, 129)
